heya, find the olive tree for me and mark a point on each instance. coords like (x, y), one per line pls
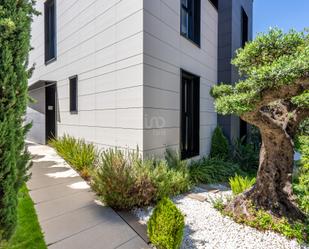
(272, 95)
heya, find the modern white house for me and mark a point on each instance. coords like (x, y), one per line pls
(128, 73)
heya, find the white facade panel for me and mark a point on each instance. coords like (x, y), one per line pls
(128, 55)
(102, 43)
(165, 53)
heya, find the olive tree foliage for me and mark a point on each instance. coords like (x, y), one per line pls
(273, 95)
(15, 23)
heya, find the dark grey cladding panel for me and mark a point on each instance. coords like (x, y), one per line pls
(229, 39)
(229, 35)
(225, 76)
(225, 51)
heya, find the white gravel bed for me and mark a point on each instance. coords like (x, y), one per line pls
(207, 228)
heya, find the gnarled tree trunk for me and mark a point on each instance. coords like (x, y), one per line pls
(273, 189)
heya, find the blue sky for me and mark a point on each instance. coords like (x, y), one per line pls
(285, 14)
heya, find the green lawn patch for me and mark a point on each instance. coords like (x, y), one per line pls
(28, 233)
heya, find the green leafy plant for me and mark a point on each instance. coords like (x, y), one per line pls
(169, 181)
(303, 129)
(219, 145)
(15, 27)
(239, 184)
(174, 161)
(218, 203)
(165, 226)
(80, 155)
(263, 220)
(213, 170)
(246, 155)
(301, 182)
(124, 180)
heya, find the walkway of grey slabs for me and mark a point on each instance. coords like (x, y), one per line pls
(69, 214)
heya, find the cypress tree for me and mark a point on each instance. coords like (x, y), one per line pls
(15, 25)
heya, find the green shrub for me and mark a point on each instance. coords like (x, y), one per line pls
(174, 161)
(15, 28)
(301, 183)
(79, 154)
(218, 204)
(263, 220)
(246, 155)
(303, 129)
(213, 170)
(165, 226)
(219, 145)
(239, 184)
(125, 181)
(169, 181)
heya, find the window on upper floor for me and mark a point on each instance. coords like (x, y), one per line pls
(73, 94)
(190, 115)
(190, 20)
(244, 27)
(50, 30)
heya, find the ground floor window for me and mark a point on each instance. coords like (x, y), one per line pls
(73, 94)
(190, 115)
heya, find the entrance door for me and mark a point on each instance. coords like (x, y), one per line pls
(50, 113)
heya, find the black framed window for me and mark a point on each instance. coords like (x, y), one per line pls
(190, 20)
(244, 27)
(190, 115)
(50, 30)
(243, 126)
(73, 94)
(214, 3)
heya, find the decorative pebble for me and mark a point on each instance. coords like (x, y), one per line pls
(206, 228)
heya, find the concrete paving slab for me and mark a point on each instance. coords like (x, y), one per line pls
(133, 222)
(135, 243)
(65, 226)
(45, 182)
(68, 212)
(58, 191)
(51, 168)
(105, 235)
(54, 208)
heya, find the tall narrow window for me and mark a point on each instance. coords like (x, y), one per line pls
(190, 19)
(73, 94)
(190, 115)
(243, 126)
(50, 30)
(244, 27)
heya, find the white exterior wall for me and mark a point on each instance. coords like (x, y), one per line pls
(101, 41)
(127, 55)
(165, 53)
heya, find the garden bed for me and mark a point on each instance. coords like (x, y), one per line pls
(208, 228)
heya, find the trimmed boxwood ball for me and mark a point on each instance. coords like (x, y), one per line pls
(165, 226)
